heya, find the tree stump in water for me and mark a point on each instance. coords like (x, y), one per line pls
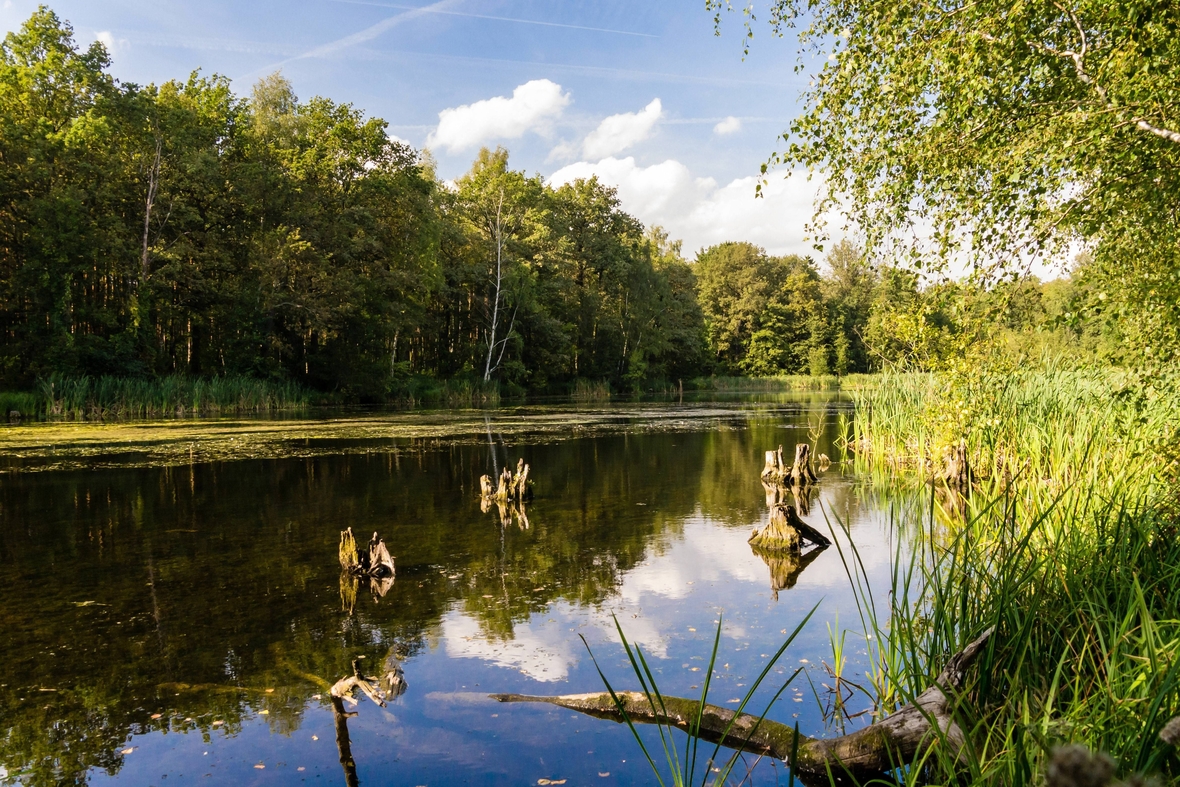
(786, 532)
(956, 471)
(773, 470)
(801, 472)
(373, 562)
(511, 486)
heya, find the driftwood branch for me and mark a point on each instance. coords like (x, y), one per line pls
(926, 723)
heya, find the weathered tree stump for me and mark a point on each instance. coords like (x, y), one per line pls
(774, 470)
(801, 472)
(511, 486)
(786, 531)
(823, 462)
(373, 562)
(899, 738)
(956, 471)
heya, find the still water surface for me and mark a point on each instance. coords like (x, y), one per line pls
(171, 607)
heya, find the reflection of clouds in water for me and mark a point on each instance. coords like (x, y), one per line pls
(707, 554)
(542, 652)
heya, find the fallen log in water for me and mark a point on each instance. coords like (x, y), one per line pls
(786, 531)
(896, 740)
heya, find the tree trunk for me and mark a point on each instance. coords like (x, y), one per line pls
(899, 738)
(498, 231)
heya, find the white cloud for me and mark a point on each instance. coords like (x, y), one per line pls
(108, 40)
(730, 125)
(619, 132)
(533, 107)
(703, 213)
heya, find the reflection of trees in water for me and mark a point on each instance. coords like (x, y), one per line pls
(241, 554)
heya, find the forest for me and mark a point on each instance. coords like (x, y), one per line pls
(180, 230)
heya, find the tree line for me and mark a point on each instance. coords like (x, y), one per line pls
(179, 229)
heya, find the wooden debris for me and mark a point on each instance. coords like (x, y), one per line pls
(899, 738)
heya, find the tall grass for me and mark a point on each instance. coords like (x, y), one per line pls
(590, 391)
(60, 396)
(1068, 545)
(781, 383)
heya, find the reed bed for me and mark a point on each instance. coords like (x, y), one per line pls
(782, 383)
(1067, 544)
(590, 391)
(94, 398)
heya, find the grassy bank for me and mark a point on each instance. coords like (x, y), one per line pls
(95, 398)
(1067, 544)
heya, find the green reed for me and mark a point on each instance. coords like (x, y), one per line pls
(590, 391)
(781, 383)
(84, 397)
(1067, 544)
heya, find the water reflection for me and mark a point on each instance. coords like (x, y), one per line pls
(204, 599)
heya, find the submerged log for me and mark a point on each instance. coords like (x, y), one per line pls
(928, 722)
(786, 531)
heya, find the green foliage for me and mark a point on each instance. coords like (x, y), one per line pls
(106, 397)
(177, 229)
(1003, 131)
(1072, 521)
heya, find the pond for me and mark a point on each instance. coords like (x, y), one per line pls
(172, 607)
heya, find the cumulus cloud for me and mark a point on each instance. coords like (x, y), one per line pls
(702, 212)
(619, 132)
(730, 125)
(533, 107)
(108, 40)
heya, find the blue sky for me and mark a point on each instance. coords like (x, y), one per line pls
(642, 94)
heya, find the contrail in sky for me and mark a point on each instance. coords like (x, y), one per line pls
(368, 34)
(434, 10)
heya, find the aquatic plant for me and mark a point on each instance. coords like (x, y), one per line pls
(590, 391)
(107, 397)
(1066, 544)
